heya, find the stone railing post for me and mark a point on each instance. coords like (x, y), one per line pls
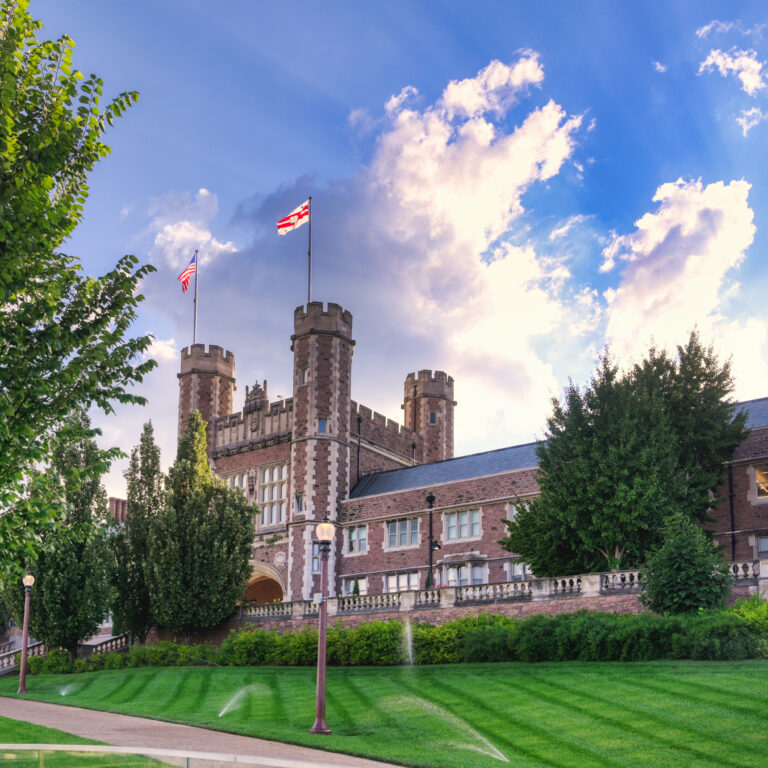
(407, 601)
(762, 578)
(541, 589)
(333, 606)
(591, 584)
(447, 596)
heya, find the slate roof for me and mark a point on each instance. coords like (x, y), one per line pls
(757, 412)
(492, 462)
(461, 468)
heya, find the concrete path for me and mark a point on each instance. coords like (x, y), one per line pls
(127, 731)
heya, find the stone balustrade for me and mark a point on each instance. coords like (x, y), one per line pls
(119, 643)
(746, 571)
(620, 581)
(590, 585)
(8, 659)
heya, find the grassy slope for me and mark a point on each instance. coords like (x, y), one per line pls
(18, 732)
(557, 715)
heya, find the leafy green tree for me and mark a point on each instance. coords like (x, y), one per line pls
(199, 543)
(607, 478)
(685, 572)
(696, 389)
(131, 612)
(72, 589)
(63, 344)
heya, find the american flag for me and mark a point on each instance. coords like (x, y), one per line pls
(294, 219)
(189, 270)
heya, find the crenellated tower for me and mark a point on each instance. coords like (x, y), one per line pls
(322, 348)
(206, 383)
(428, 405)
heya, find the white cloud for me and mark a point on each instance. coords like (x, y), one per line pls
(714, 26)
(396, 101)
(679, 262)
(659, 67)
(741, 63)
(749, 118)
(562, 230)
(724, 27)
(453, 181)
(181, 224)
(493, 89)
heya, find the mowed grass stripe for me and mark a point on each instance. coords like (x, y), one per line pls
(535, 749)
(537, 733)
(277, 709)
(698, 707)
(594, 707)
(737, 699)
(558, 723)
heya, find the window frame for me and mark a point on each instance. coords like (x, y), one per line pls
(271, 494)
(412, 531)
(411, 578)
(352, 534)
(453, 525)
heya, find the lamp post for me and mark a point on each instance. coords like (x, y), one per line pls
(28, 580)
(325, 532)
(433, 545)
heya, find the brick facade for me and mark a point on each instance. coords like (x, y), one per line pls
(300, 459)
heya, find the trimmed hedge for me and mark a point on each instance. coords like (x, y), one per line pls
(738, 633)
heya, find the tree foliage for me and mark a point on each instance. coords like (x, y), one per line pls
(623, 455)
(685, 573)
(131, 612)
(72, 591)
(63, 342)
(199, 543)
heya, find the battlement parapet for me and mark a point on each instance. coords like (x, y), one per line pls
(368, 415)
(196, 359)
(315, 318)
(429, 384)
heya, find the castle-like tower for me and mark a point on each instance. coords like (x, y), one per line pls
(206, 383)
(428, 410)
(297, 459)
(320, 446)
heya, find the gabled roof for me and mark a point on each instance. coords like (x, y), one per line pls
(510, 459)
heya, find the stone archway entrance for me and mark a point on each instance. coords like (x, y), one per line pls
(264, 586)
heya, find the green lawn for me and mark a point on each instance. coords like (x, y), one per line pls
(18, 732)
(533, 715)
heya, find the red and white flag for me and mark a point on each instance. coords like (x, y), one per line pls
(294, 219)
(189, 270)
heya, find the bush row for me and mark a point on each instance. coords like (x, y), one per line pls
(739, 633)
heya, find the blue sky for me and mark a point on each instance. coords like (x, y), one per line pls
(499, 189)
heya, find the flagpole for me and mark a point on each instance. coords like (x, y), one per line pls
(197, 270)
(309, 285)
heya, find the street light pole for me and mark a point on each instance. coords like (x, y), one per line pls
(28, 581)
(430, 579)
(325, 531)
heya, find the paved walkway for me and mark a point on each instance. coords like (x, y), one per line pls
(127, 731)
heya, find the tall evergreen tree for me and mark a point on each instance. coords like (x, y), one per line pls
(607, 477)
(72, 589)
(131, 612)
(620, 458)
(696, 389)
(199, 543)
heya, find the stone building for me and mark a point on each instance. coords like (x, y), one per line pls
(395, 491)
